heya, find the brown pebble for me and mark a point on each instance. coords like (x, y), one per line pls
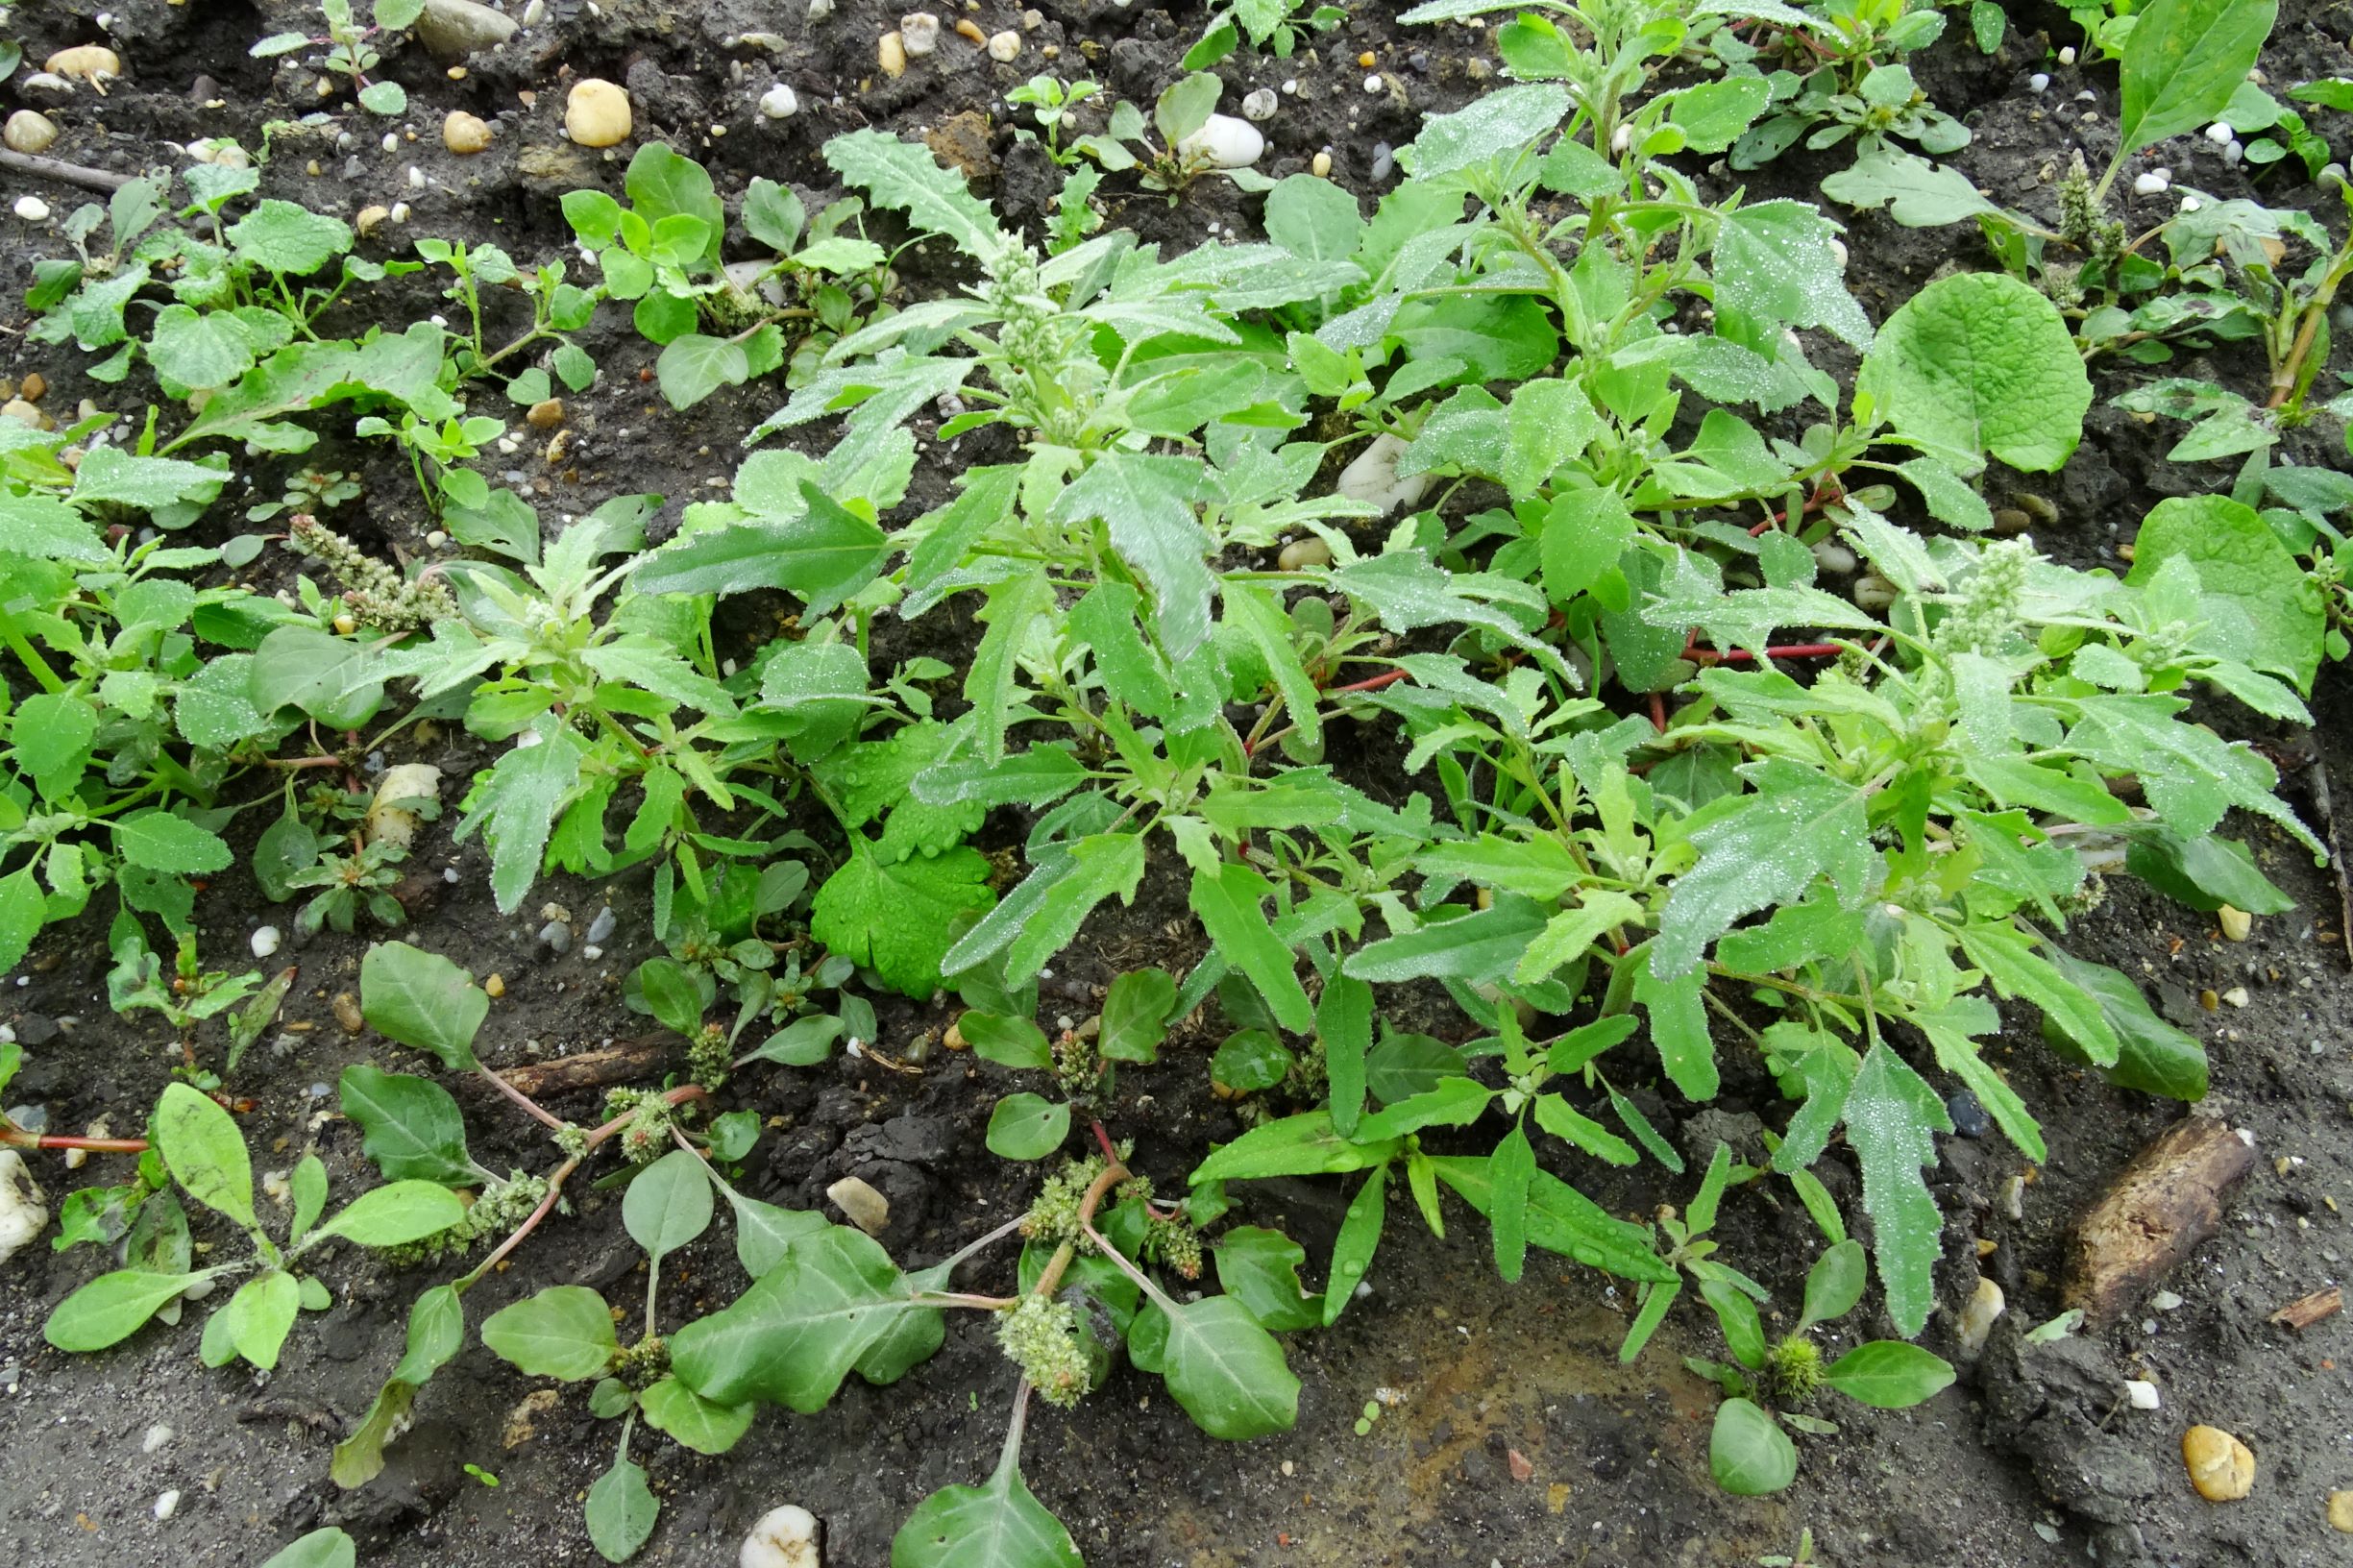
(465, 134)
(970, 29)
(545, 414)
(953, 1039)
(2009, 520)
(348, 1013)
(495, 986)
(33, 386)
(2220, 1465)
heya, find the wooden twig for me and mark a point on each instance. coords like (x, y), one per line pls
(621, 1064)
(56, 168)
(2322, 799)
(2305, 1310)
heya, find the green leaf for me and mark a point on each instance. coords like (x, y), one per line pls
(1481, 946)
(1249, 1061)
(516, 804)
(1315, 220)
(1344, 1024)
(1148, 503)
(1027, 1127)
(286, 239)
(2183, 61)
(621, 1511)
(1833, 1285)
(257, 1319)
(2204, 873)
(52, 733)
(1009, 1042)
(670, 1407)
(1230, 904)
(436, 1332)
(1135, 1016)
(668, 1205)
(409, 1126)
(1744, 1331)
(422, 1000)
(1563, 1220)
(1511, 1169)
(329, 677)
(112, 1307)
(1889, 1375)
(795, 1333)
(204, 1152)
(1978, 364)
(1359, 1237)
(2152, 1056)
(40, 528)
(992, 683)
(397, 1214)
(1502, 120)
(1227, 1372)
(2016, 970)
(1765, 848)
(1301, 1145)
(662, 184)
(1259, 1269)
(385, 98)
(763, 1231)
(693, 366)
(1748, 1452)
(1678, 1013)
(905, 176)
(1775, 266)
(329, 1547)
(2262, 608)
(157, 841)
(1585, 533)
(897, 919)
(1892, 1116)
(565, 1333)
(1000, 1525)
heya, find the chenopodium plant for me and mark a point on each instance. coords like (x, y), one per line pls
(722, 324)
(201, 1148)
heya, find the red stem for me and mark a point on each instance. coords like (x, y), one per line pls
(1388, 677)
(95, 1146)
(1742, 656)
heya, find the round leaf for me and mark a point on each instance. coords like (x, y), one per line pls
(1027, 1127)
(669, 1204)
(1979, 362)
(1749, 1453)
(422, 999)
(564, 1332)
(621, 1511)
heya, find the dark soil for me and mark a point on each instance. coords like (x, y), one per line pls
(1515, 1437)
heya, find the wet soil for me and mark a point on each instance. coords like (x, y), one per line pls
(1508, 1432)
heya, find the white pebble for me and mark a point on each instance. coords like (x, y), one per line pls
(167, 1505)
(2220, 133)
(1977, 1317)
(535, 12)
(157, 1436)
(601, 924)
(2232, 153)
(23, 1207)
(2039, 81)
(779, 103)
(1228, 143)
(33, 210)
(1374, 83)
(2165, 1301)
(2086, 96)
(391, 142)
(399, 212)
(2155, 183)
(416, 178)
(2067, 55)
(2141, 1392)
(820, 10)
(1372, 476)
(1005, 47)
(1260, 104)
(2190, 204)
(783, 1537)
(919, 31)
(1290, 86)
(265, 941)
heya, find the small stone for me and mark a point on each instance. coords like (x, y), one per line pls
(2039, 81)
(1969, 1118)
(400, 211)
(1977, 1317)
(1373, 477)
(1224, 142)
(1835, 559)
(820, 10)
(347, 1013)
(596, 112)
(23, 1207)
(465, 134)
(2010, 521)
(1300, 554)
(545, 414)
(157, 1436)
(495, 986)
(167, 1505)
(265, 939)
(2165, 1301)
(2236, 923)
(2220, 1465)
(1872, 592)
(29, 131)
(1004, 47)
(1320, 166)
(779, 103)
(33, 210)
(23, 413)
(370, 218)
(2141, 1393)
(2340, 1511)
(969, 30)
(535, 12)
(2220, 133)
(919, 33)
(1374, 84)
(451, 30)
(556, 937)
(601, 926)
(2155, 183)
(2067, 55)
(1366, 61)
(867, 1209)
(785, 1536)
(1260, 104)
(2236, 996)
(91, 62)
(890, 53)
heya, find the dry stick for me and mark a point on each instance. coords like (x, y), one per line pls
(2322, 799)
(56, 168)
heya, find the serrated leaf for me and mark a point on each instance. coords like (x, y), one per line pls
(1796, 825)
(286, 239)
(515, 806)
(1502, 120)
(899, 919)
(1982, 363)
(1230, 904)
(905, 176)
(824, 556)
(1148, 503)
(2183, 61)
(157, 841)
(1892, 1116)
(1563, 1220)
(1775, 266)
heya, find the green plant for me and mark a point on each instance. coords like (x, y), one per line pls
(1275, 25)
(204, 1153)
(663, 252)
(350, 49)
(1854, 83)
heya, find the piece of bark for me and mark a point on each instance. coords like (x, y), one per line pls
(2305, 1310)
(2165, 1203)
(621, 1064)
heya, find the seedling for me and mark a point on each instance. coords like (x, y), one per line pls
(350, 49)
